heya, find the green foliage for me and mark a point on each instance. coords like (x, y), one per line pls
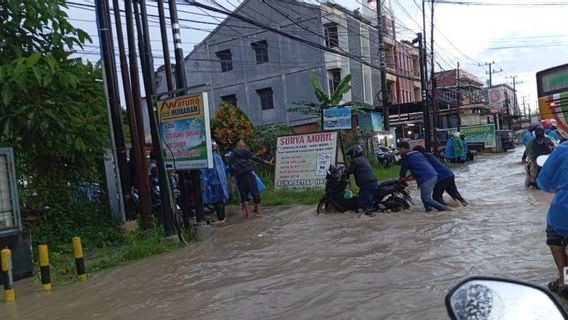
(325, 101)
(133, 246)
(229, 124)
(65, 219)
(52, 112)
(39, 26)
(264, 142)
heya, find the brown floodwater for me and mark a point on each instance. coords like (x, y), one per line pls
(292, 264)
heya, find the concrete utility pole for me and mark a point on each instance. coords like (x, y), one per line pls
(490, 73)
(113, 103)
(137, 153)
(384, 96)
(434, 104)
(425, 110)
(147, 61)
(181, 84)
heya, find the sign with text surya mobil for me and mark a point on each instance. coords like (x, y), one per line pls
(185, 132)
(302, 160)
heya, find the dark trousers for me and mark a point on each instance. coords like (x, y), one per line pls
(447, 185)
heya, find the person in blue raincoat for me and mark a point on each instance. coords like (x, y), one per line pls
(214, 185)
(553, 177)
(449, 152)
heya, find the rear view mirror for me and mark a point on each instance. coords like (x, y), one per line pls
(482, 298)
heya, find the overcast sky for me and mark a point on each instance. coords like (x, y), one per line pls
(521, 40)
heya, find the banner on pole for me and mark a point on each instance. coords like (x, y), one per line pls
(185, 132)
(337, 118)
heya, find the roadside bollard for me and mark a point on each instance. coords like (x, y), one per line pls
(9, 294)
(79, 259)
(44, 267)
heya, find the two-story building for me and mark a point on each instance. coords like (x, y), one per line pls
(265, 73)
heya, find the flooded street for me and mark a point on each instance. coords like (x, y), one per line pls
(293, 264)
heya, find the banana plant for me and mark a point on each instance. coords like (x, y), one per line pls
(327, 101)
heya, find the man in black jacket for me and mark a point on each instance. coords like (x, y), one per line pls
(364, 178)
(239, 162)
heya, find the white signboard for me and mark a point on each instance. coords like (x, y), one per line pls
(302, 160)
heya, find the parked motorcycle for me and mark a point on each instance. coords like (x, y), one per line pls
(391, 195)
(496, 298)
(385, 156)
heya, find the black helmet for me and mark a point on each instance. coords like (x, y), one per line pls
(354, 151)
(539, 132)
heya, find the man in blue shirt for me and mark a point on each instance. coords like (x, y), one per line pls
(446, 179)
(425, 175)
(553, 177)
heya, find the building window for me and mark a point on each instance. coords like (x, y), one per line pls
(331, 35)
(232, 99)
(261, 51)
(266, 101)
(226, 60)
(334, 80)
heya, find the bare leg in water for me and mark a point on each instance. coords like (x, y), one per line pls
(560, 259)
(245, 209)
(257, 212)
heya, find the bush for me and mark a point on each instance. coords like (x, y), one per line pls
(229, 124)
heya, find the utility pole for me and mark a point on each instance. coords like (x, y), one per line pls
(425, 111)
(147, 60)
(181, 84)
(490, 73)
(113, 103)
(524, 108)
(458, 96)
(137, 152)
(434, 104)
(165, 47)
(383, 66)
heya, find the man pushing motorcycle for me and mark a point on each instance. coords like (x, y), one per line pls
(364, 178)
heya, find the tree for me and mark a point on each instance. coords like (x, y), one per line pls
(229, 124)
(326, 101)
(52, 107)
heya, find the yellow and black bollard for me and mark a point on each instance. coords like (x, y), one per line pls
(44, 267)
(9, 294)
(79, 259)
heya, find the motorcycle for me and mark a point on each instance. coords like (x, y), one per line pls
(497, 298)
(539, 163)
(385, 156)
(391, 195)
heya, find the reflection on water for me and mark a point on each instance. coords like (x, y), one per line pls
(293, 264)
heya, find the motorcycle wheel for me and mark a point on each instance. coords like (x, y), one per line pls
(325, 206)
(403, 202)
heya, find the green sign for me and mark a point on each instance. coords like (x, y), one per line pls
(483, 133)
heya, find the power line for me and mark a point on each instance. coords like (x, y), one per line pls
(508, 4)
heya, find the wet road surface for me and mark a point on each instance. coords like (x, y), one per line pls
(292, 264)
